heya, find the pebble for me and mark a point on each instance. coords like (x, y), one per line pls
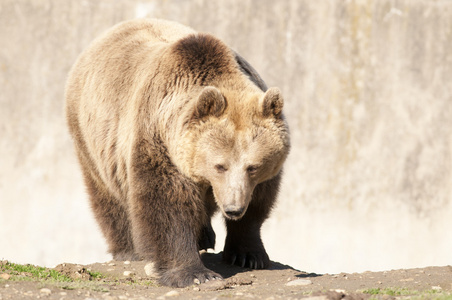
(5, 276)
(150, 270)
(127, 262)
(436, 288)
(299, 282)
(317, 298)
(172, 293)
(45, 291)
(128, 273)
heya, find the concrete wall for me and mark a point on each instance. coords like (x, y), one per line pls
(368, 93)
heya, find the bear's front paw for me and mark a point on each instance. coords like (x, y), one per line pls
(253, 259)
(188, 276)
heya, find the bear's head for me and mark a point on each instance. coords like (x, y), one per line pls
(241, 140)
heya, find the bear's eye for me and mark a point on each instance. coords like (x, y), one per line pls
(220, 168)
(252, 170)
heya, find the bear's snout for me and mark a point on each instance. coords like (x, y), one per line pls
(234, 212)
(233, 201)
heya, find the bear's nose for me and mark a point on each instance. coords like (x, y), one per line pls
(233, 212)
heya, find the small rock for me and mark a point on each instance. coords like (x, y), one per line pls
(111, 264)
(150, 270)
(436, 288)
(299, 282)
(316, 298)
(196, 289)
(172, 293)
(63, 294)
(213, 285)
(127, 262)
(5, 276)
(45, 291)
(128, 273)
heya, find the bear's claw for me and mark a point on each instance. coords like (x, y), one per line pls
(252, 260)
(188, 276)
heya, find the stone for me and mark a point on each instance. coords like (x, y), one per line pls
(150, 270)
(172, 293)
(299, 282)
(128, 273)
(45, 291)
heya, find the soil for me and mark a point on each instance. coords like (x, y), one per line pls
(128, 280)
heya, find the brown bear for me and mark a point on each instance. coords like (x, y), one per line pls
(169, 125)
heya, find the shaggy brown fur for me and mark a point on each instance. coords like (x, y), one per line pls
(169, 125)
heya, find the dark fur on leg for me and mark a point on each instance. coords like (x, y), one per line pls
(207, 238)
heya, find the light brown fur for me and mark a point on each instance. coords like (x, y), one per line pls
(168, 125)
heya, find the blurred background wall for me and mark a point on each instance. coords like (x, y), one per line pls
(368, 92)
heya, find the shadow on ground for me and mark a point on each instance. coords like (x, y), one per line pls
(214, 262)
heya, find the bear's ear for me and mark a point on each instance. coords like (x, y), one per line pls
(272, 103)
(210, 103)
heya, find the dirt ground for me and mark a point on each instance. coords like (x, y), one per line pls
(128, 280)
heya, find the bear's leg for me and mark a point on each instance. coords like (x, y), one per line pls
(168, 214)
(207, 237)
(243, 244)
(113, 220)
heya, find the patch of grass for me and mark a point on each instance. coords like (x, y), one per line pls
(149, 283)
(96, 275)
(31, 272)
(374, 291)
(390, 291)
(414, 294)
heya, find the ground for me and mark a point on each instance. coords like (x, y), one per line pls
(128, 280)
